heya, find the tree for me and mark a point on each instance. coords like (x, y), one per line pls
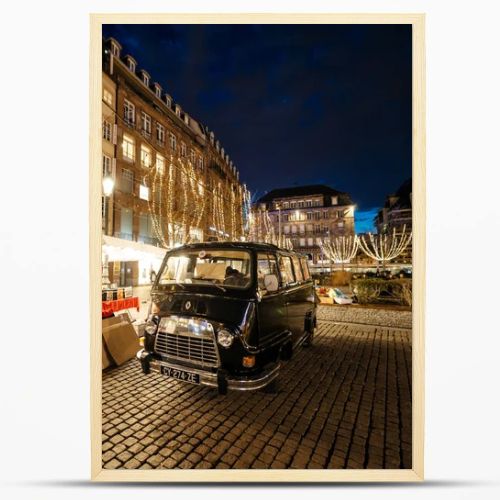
(385, 247)
(341, 249)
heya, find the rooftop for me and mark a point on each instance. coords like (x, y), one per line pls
(310, 190)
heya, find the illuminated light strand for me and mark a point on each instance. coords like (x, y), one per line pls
(341, 249)
(385, 247)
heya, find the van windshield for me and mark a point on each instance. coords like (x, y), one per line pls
(223, 268)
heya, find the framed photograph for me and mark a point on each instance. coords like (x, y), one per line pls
(257, 247)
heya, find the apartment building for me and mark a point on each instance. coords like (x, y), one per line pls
(173, 181)
(308, 215)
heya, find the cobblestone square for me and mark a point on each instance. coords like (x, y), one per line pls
(344, 402)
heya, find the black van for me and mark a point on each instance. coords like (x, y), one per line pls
(225, 314)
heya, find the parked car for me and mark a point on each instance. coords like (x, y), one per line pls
(339, 297)
(225, 315)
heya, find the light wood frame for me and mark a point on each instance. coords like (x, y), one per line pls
(418, 201)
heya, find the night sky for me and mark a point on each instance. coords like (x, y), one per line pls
(293, 104)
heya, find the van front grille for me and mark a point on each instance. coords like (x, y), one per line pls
(188, 342)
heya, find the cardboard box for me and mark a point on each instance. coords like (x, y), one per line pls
(120, 339)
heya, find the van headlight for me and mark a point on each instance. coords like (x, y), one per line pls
(225, 338)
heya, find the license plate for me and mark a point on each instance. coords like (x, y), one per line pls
(192, 378)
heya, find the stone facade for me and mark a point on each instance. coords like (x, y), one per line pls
(154, 135)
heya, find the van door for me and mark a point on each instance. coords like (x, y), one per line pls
(272, 314)
(293, 298)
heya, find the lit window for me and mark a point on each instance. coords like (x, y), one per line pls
(160, 164)
(302, 242)
(146, 159)
(143, 192)
(310, 242)
(145, 79)
(160, 133)
(340, 224)
(146, 123)
(335, 200)
(107, 97)
(183, 149)
(169, 102)
(158, 91)
(129, 112)
(200, 163)
(106, 130)
(128, 148)
(177, 110)
(173, 142)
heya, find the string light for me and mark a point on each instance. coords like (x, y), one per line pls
(385, 247)
(341, 249)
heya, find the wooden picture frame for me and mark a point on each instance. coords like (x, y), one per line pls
(418, 132)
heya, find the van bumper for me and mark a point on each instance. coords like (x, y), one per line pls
(220, 380)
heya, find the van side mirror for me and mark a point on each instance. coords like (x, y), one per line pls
(271, 282)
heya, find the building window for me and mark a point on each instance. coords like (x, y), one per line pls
(129, 112)
(316, 215)
(145, 79)
(309, 203)
(115, 50)
(107, 97)
(160, 134)
(302, 228)
(302, 242)
(340, 224)
(106, 130)
(106, 166)
(293, 204)
(335, 200)
(294, 229)
(146, 158)
(309, 215)
(183, 149)
(193, 156)
(146, 124)
(143, 192)
(131, 64)
(325, 214)
(158, 91)
(177, 110)
(286, 205)
(340, 214)
(127, 184)
(169, 102)
(286, 229)
(126, 223)
(310, 242)
(160, 164)
(317, 203)
(200, 162)
(173, 142)
(128, 148)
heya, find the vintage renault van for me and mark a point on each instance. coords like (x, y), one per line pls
(225, 315)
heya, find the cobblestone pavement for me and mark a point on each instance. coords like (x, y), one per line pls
(345, 402)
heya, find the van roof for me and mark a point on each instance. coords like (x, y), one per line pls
(247, 245)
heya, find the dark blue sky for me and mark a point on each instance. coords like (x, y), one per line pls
(292, 104)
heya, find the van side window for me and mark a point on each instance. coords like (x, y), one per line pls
(266, 264)
(297, 269)
(286, 270)
(263, 269)
(305, 269)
